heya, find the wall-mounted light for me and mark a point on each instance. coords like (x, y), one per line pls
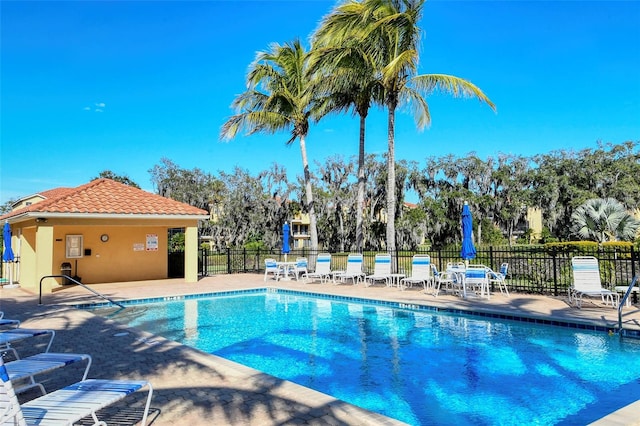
(41, 220)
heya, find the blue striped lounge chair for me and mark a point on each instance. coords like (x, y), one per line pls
(381, 270)
(68, 405)
(353, 271)
(14, 335)
(420, 273)
(323, 269)
(22, 372)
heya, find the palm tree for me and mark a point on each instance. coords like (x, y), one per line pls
(604, 219)
(288, 102)
(349, 81)
(396, 34)
(387, 32)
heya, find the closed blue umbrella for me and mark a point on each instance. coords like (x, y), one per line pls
(7, 255)
(468, 250)
(286, 232)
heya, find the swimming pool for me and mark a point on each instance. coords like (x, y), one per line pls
(417, 365)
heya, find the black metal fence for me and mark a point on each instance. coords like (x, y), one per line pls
(532, 269)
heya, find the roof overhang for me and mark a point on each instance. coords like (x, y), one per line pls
(112, 216)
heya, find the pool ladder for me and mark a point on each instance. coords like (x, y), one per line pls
(622, 303)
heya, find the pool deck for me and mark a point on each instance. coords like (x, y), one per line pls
(195, 388)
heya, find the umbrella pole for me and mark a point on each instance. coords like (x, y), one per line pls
(11, 284)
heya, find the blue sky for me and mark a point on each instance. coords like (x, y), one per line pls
(88, 86)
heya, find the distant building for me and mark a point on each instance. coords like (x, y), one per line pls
(300, 230)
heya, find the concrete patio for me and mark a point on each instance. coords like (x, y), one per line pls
(192, 387)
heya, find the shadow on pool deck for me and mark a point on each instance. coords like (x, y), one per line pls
(191, 387)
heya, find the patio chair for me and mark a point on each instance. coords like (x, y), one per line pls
(477, 280)
(353, 271)
(420, 273)
(68, 405)
(442, 280)
(323, 269)
(498, 278)
(300, 268)
(271, 267)
(586, 282)
(381, 270)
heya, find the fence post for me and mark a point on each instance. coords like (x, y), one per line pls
(555, 272)
(244, 259)
(204, 263)
(258, 262)
(228, 260)
(633, 263)
(491, 264)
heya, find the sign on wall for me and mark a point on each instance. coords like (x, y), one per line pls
(152, 242)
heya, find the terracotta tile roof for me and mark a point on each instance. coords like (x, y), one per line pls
(106, 196)
(54, 193)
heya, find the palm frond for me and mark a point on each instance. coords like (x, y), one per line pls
(455, 86)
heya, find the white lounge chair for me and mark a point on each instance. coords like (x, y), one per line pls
(8, 337)
(498, 278)
(4, 322)
(586, 282)
(22, 372)
(353, 271)
(67, 405)
(271, 267)
(9, 323)
(381, 270)
(323, 269)
(420, 272)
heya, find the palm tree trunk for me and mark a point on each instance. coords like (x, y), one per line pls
(360, 207)
(391, 183)
(313, 227)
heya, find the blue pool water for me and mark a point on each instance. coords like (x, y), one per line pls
(417, 366)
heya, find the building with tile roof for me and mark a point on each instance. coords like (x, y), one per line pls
(107, 231)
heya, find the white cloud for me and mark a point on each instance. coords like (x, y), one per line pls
(99, 107)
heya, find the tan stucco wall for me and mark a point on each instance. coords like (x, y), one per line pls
(124, 257)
